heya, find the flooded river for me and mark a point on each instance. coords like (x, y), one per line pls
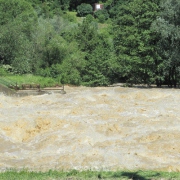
(91, 128)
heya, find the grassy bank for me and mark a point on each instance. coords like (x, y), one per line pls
(28, 79)
(91, 175)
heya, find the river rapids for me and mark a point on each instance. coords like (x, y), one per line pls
(103, 128)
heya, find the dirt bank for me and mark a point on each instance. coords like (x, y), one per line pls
(97, 128)
(5, 90)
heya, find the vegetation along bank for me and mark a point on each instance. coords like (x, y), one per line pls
(129, 41)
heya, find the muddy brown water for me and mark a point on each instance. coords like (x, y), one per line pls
(91, 128)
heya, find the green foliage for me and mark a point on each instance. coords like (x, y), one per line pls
(98, 54)
(48, 9)
(31, 79)
(16, 10)
(17, 26)
(167, 25)
(44, 38)
(49, 46)
(68, 71)
(113, 6)
(101, 15)
(3, 71)
(89, 175)
(75, 3)
(84, 9)
(72, 67)
(90, 18)
(70, 16)
(55, 51)
(15, 48)
(135, 42)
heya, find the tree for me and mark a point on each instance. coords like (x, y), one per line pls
(16, 48)
(135, 41)
(98, 53)
(167, 25)
(112, 6)
(73, 65)
(17, 20)
(75, 3)
(101, 15)
(18, 10)
(48, 8)
(84, 9)
(49, 46)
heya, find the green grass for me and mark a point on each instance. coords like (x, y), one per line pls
(28, 79)
(6, 81)
(89, 175)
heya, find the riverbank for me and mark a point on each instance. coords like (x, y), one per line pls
(90, 175)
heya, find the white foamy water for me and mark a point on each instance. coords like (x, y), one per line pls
(91, 128)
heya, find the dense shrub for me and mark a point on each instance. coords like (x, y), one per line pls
(71, 17)
(101, 15)
(3, 71)
(54, 71)
(84, 9)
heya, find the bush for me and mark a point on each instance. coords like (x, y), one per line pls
(54, 71)
(101, 15)
(6, 70)
(71, 17)
(3, 71)
(72, 77)
(89, 18)
(84, 9)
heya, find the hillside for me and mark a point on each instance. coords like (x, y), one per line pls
(133, 42)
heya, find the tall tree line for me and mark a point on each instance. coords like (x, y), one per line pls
(138, 43)
(147, 42)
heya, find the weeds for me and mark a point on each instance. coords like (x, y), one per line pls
(28, 79)
(89, 175)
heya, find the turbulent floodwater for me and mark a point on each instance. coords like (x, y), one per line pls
(99, 128)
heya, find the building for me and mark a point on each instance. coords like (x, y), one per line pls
(98, 6)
